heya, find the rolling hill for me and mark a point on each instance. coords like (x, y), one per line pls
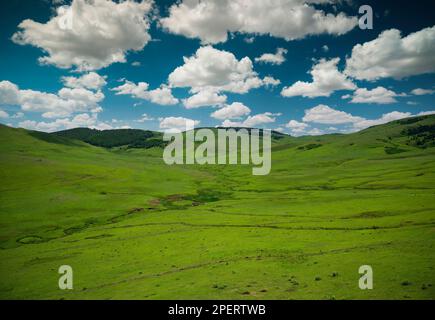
(130, 226)
(130, 138)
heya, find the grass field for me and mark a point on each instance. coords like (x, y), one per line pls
(132, 227)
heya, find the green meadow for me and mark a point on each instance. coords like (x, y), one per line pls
(132, 227)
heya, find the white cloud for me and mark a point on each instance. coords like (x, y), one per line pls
(136, 64)
(144, 118)
(228, 123)
(259, 119)
(162, 95)
(92, 81)
(231, 111)
(325, 48)
(325, 115)
(39, 126)
(379, 95)
(206, 97)
(390, 55)
(315, 132)
(217, 71)
(273, 58)
(326, 80)
(81, 120)
(297, 127)
(345, 122)
(252, 121)
(422, 92)
(176, 124)
(388, 117)
(66, 102)
(210, 72)
(4, 114)
(212, 20)
(270, 82)
(89, 35)
(9, 93)
(426, 113)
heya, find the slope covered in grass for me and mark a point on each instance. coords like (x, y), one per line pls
(132, 227)
(131, 138)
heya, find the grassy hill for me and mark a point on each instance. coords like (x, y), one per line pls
(132, 227)
(131, 138)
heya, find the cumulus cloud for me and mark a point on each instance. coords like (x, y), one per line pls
(144, 118)
(315, 132)
(216, 70)
(4, 114)
(343, 122)
(206, 97)
(91, 80)
(270, 81)
(390, 55)
(422, 92)
(426, 113)
(162, 95)
(176, 124)
(231, 111)
(296, 127)
(323, 114)
(273, 58)
(81, 120)
(326, 80)
(66, 102)
(379, 95)
(210, 72)
(89, 35)
(326, 115)
(388, 117)
(212, 20)
(252, 121)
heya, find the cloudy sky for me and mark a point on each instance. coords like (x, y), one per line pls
(303, 67)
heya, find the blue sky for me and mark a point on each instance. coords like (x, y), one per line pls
(379, 78)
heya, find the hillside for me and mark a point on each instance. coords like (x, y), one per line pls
(131, 138)
(420, 132)
(134, 228)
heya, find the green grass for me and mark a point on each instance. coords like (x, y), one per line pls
(133, 228)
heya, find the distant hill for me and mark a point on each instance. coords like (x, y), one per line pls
(131, 138)
(275, 134)
(413, 132)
